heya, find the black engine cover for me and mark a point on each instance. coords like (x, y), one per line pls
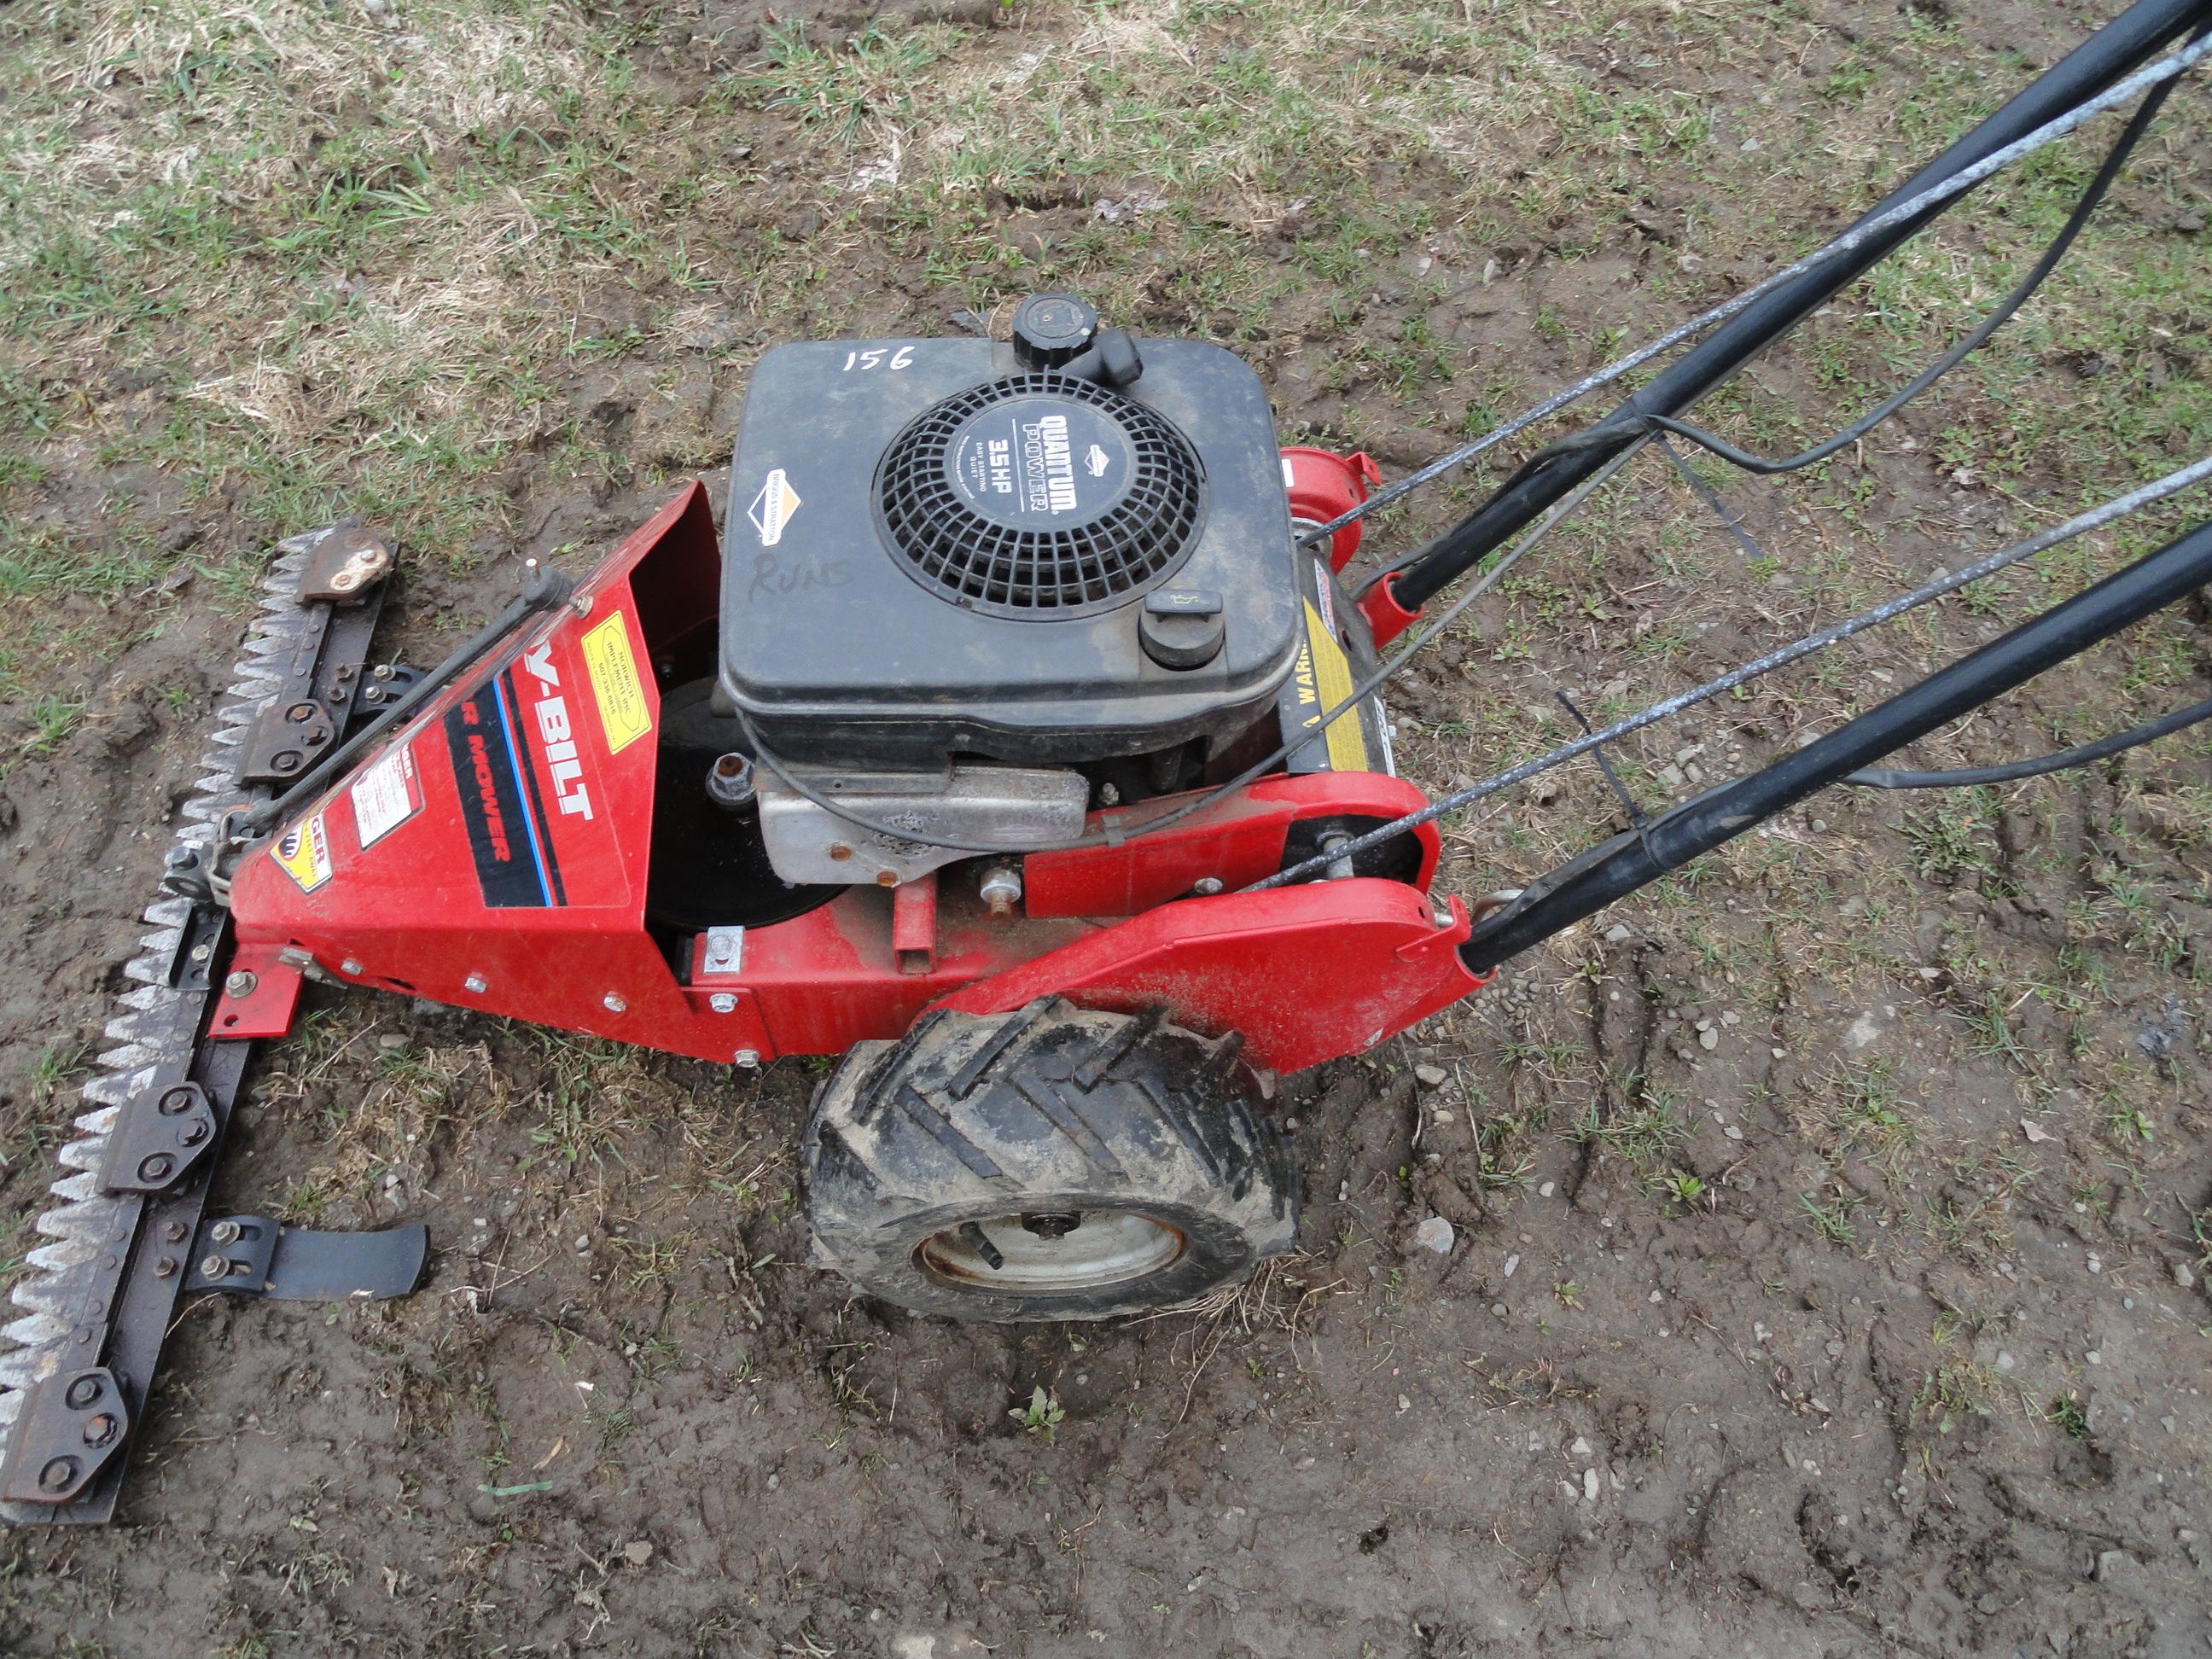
(933, 550)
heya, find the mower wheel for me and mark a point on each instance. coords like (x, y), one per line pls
(1049, 1164)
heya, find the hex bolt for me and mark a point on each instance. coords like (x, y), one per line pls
(475, 984)
(166, 1267)
(1206, 886)
(213, 1266)
(174, 1232)
(613, 1003)
(300, 713)
(287, 762)
(57, 1474)
(1338, 869)
(192, 1134)
(381, 671)
(350, 966)
(729, 782)
(100, 1428)
(175, 1102)
(723, 1003)
(83, 1391)
(158, 1166)
(224, 1232)
(748, 1058)
(1001, 889)
(240, 985)
(202, 952)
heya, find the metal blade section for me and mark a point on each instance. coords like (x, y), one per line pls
(68, 1300)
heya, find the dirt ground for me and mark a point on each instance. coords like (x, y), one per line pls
(1829, 1250)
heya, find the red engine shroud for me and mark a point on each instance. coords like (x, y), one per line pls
(494, 855)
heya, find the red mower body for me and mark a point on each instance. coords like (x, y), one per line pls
(494, 855)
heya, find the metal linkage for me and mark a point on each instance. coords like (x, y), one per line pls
(2119, 507)
(2088, 81)
(1599, 876)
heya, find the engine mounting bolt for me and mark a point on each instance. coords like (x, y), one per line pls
(224, 1232)
(475, 983)
(723, 1003)
(58, 1473)
(1206, 886)
(240, 985)
(1001, 889)
(729, 782)
(350, 966)
(214, 1266)
(613, 1003)
(748, 1058)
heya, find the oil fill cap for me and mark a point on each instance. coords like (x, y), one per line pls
(1181, 626)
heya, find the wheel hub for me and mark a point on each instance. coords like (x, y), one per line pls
(1040, 1252)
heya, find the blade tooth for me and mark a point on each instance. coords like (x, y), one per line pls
(64, 1274)
(99, 1121)
(127, 1058)
(85, 1206)
(84, 1154)
(18, 1371)
(37, 1330)
(111, 1087)
(88, 1217)
(168, 911)
(149, 973)
(298, 545)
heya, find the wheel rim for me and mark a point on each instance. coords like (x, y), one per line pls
(1107, 1247)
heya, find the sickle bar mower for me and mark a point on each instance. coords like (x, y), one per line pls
(1018, 738)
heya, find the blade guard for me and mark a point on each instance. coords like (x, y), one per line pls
(511, 818)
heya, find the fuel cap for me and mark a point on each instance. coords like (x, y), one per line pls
(1051, 328)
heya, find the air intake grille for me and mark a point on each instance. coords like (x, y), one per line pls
(1041, 495)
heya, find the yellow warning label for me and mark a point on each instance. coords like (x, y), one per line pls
(303, 851)
(622, 710)
(1332, 674)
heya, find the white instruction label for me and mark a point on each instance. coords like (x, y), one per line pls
(386, 796)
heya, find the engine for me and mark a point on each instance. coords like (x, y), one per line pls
(973, 589)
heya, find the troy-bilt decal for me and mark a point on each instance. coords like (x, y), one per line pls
(387, 795)
(550, 715)
(516, 868)
(303, 852)
(772, 509)
(624, 713)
